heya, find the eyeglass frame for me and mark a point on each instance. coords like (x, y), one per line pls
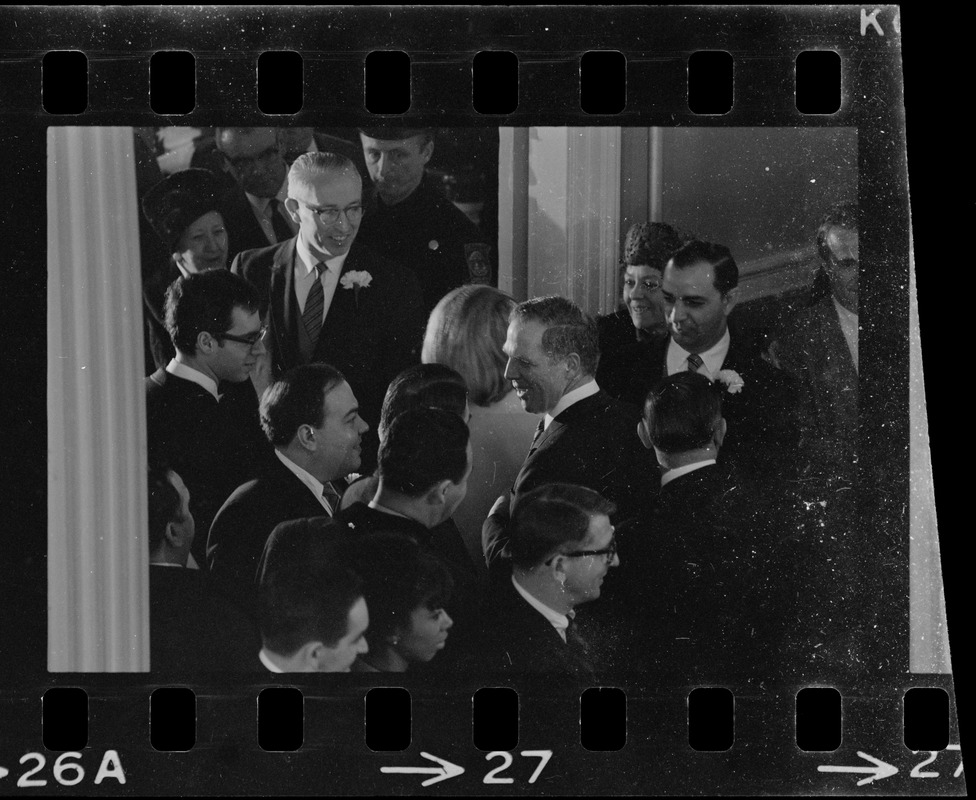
(610, 550)
(318, 212)
(251, 343)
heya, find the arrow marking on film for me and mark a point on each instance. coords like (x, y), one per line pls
(442, 773)
(878, 771)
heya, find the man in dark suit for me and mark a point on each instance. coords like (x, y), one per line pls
(332, 299)
(700, 290)
(562, 548)
(191, 629)
(254, 210)
(712, 581)
(410, 221)
(819, 348)
(585, 437)
(424, 464)
(296, 141)
(201, 409)
(311, 417)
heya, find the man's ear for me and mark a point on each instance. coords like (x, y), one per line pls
(427, 151)
(291, 206)
(306, 437)
(313, 654)
(572, 362)
(644, 434)
(731, 299)
(173, 535)
(437, 494)
(206, 343)
(718, 432)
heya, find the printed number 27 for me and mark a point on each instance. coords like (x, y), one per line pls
(542, 755)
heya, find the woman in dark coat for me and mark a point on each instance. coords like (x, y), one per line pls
(628, 332)
(183, 211)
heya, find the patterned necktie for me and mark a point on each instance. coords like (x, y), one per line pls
(538, 435)
(694, 362)
(331, 497)
(282, 230)
(314, 305)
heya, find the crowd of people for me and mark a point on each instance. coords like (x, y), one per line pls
(361, 461)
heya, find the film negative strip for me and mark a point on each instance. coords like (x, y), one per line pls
(558, 129)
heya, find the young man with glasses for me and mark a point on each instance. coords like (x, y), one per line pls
(562, 546)
(331, 299)
(201, 409)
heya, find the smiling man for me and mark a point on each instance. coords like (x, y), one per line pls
(410, 221)
(700, 291)
(330, 298)
(585, 436)
(311, 418)
(201, 409)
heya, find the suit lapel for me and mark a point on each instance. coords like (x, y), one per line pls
(283, 305)
(345, 316)
(836, 343)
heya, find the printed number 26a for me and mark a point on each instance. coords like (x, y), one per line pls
(491, 777)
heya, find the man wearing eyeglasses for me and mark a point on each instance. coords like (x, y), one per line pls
(254, 211)
(330, 298)
(563, 547)
(819, 348)
(201, 409)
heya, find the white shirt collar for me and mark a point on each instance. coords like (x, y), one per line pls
(677, 472)
(268, 663)
(188, 373)
(309, 260)
(588, 389)
(559, 621)
(314, 484)
(713, 358)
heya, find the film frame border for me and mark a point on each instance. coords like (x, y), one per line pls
(876, 161)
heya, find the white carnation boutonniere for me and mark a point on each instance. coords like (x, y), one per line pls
(732, 380)
(356, 280)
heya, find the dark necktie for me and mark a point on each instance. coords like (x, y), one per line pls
(694, 362)
(331, 496)
(578, 650)
(314, 304)
(282, 230)
(538, 435)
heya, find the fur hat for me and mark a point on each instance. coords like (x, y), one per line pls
(650, 244)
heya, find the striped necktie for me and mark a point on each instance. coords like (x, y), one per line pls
(694, 362)
(314, 305)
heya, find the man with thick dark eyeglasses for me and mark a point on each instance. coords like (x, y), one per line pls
(330, 299)
(562, 546)
(254, 210)
(201, 409)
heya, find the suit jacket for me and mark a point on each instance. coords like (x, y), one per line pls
(511, 639)
(711, 583)
(763, 429)
(245, 522)
(192, 629)
(593, 443)
(814, 351)
(370, 336)
(213, 446)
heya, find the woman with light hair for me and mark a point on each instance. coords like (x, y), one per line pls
(466, 331)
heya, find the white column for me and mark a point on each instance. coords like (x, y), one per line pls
(573, 214)
(513, 200)
(98, 615)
